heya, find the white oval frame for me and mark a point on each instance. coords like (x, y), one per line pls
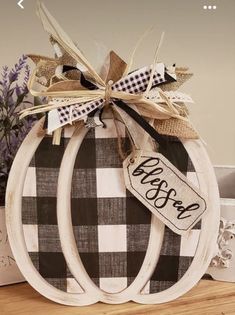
(68, 242)
(209, 228)
(206, 243)
(15, 228)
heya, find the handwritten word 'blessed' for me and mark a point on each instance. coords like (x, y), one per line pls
(161, 193)
(164, 190)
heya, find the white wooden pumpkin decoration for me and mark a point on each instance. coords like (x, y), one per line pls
(84, 227)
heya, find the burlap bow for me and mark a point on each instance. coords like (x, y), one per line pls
(75, 90)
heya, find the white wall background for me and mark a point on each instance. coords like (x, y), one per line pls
(201, 39)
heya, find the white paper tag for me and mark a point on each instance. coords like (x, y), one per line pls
(167, 193)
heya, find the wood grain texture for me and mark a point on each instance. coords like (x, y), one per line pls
(207, 298)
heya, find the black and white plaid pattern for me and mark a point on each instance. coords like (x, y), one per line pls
(111, 226)
(135, 82)
(78, 110)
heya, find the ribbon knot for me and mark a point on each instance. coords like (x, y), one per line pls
(108, 91)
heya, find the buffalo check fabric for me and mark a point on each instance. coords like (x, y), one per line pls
(110, 225)
(137, 81)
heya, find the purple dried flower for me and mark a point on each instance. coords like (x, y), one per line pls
(12, 131)
(26, 79)
(13, 76)
(17, 90)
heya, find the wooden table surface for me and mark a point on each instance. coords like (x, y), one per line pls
(208, 297)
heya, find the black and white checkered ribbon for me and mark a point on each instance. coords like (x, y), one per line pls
(134, 83)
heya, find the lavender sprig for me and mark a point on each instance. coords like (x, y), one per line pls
(13, 95)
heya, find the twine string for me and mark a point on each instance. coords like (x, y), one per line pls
(108, 92)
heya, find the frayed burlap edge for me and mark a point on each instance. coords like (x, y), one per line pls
(175, 127)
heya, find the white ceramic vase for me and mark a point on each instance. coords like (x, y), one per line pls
(9, 272)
